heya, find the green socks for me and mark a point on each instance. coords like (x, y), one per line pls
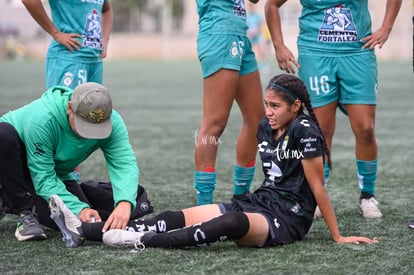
(367, 175)
(326, 173)
(204, 183)
(243, 177)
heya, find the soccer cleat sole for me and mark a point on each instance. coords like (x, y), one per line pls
(70, 238)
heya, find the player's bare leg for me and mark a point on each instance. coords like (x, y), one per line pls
(362, 119)
(218, 97)
(250, 101)
(326, 116)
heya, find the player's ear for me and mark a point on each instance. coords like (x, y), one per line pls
(296, 105)
(69, 107)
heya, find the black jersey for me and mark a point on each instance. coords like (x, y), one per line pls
(284, 198)
(281, 162)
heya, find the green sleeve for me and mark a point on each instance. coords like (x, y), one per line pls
(40, 140)
(122, 163)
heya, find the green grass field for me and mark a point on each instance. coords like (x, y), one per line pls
(161, 104)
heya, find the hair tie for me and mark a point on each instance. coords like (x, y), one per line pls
(283, 89)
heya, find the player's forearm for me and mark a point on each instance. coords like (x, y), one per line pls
(328, 213)
(107, 21)
(273, 22)
(38, 12)
(391, 11)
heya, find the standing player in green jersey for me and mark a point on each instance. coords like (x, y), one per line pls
(230, 74)
(337, 62)
(80, 31)
(42, 142)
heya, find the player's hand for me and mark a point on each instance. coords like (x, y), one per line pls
(377, 38)
(356, 240)
(286, 60)
(89, 215)
(119, 217)
(69, 40)
(104, 52)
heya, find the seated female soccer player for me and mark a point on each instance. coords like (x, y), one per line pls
(292, 149)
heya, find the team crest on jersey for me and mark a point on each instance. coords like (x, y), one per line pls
(68, 79)
(239, 9)
(236, 49)
(338, 26)
(92, 31)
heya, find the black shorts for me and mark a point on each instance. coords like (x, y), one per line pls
(285, 227)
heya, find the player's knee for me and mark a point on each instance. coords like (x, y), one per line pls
(213, 129)
(237, 223)
(366, 135)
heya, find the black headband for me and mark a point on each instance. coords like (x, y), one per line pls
(283, 89)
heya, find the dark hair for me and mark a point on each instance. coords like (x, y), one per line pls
(291, 88)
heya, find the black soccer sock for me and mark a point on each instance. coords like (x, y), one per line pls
(365, 195)
(92, 231)
(163, 222)
(229, 226)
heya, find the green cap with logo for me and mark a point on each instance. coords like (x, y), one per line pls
(92, 108)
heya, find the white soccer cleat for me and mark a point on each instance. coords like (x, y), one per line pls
(369, 208)
(69, 225)
(123, 238)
